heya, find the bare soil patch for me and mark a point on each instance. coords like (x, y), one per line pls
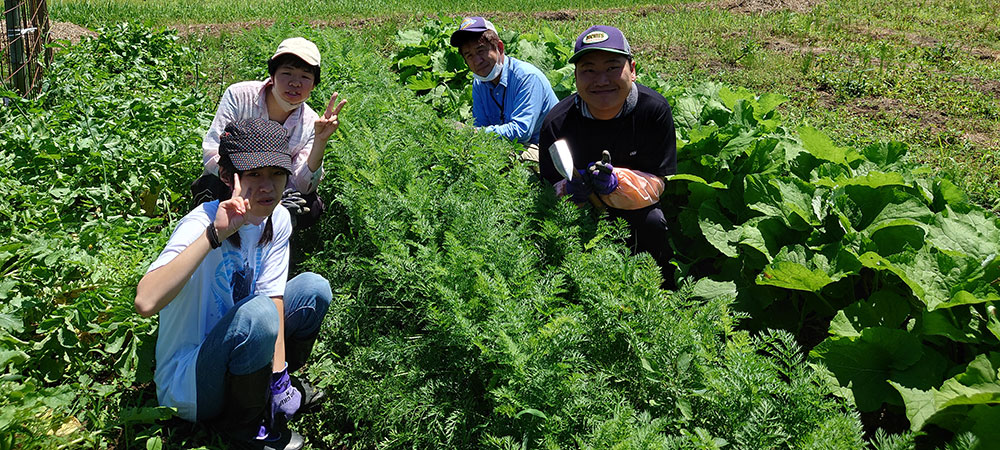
(885, 108)
(69, 31)
(985, 54)
(238, 27)
(767, 6)
(990, 87)
(983, 140)
(673, 52)
(561, 15)
(219, 28)
(786, 46)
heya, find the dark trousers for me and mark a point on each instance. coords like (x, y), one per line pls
(649, 234)
(210, 187)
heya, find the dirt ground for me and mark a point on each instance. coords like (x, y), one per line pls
(739, 6)
(767, 6)
(68, 31)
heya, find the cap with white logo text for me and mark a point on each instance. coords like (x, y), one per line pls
(601, 37)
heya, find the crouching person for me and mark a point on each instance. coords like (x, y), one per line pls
(231, 327)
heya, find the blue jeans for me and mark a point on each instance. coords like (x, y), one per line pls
(243, 340)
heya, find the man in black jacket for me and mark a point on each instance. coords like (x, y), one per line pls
(632, 122)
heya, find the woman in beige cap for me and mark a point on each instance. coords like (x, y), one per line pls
(294, 71)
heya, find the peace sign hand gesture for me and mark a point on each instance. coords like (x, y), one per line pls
(327, 124)
(232, 213)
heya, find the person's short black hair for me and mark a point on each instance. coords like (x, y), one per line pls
(294, 61)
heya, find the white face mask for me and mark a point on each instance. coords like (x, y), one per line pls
(283, 104)
(497, 68)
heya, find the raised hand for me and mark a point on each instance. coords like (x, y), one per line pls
(602, 177)
(327, 124)
(232, 213)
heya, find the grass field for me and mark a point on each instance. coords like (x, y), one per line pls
(923, 72)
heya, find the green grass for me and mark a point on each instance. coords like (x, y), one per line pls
(922, 72)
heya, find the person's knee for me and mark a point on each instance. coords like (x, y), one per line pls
(258, 319)
(655, 222)
(318, 288)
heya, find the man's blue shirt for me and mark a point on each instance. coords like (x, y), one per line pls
(515, 107)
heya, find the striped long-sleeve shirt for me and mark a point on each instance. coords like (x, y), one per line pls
(247, 100)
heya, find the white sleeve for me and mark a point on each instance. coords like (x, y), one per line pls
(226, 113)
(188, 229)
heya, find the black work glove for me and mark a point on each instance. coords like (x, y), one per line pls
(292, 201)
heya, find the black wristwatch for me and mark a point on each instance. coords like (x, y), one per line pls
(213, 236)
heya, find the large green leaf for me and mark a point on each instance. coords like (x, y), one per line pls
(791, 199)
(885, 154)
(897, 238)
(768, 102)
(409, 37)
(696, 179)
(941, 279)
(421, 81)
(870, 179)
(974, 233)
(718, 229)
(758, 233)
(862, 207)
(418, 61)
(883, 308)
(866, 362)
(802, 269)
(821, 147)
(978, 385)
(958, 323)
(707, 288)
(946, 194)
(687, 112)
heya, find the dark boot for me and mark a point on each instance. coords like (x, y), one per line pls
(296, 353)
(311, 396)
(243, 420)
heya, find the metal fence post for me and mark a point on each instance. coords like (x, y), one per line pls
(16, 41)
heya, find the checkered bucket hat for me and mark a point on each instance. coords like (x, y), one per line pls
(255, 143)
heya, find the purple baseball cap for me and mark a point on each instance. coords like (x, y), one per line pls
(601, 37)
(471, 25)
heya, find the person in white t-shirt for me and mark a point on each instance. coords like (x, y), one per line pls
(231, 328)
(294, 70)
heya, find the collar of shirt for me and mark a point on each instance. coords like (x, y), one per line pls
(508, 65)
(504, 75)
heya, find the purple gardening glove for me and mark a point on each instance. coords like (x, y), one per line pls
(578, 188)
(602, 177)
(285, 399)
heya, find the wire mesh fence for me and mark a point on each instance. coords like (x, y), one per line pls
(23, 53)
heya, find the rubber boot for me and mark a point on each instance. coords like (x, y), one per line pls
(243, 421)
(296, 353)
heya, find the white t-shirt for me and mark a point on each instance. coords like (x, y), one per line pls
(226, 276)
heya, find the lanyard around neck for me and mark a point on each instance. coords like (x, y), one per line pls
(503, 100)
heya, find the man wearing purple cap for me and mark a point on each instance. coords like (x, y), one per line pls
(509, 97)
(633, 123)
